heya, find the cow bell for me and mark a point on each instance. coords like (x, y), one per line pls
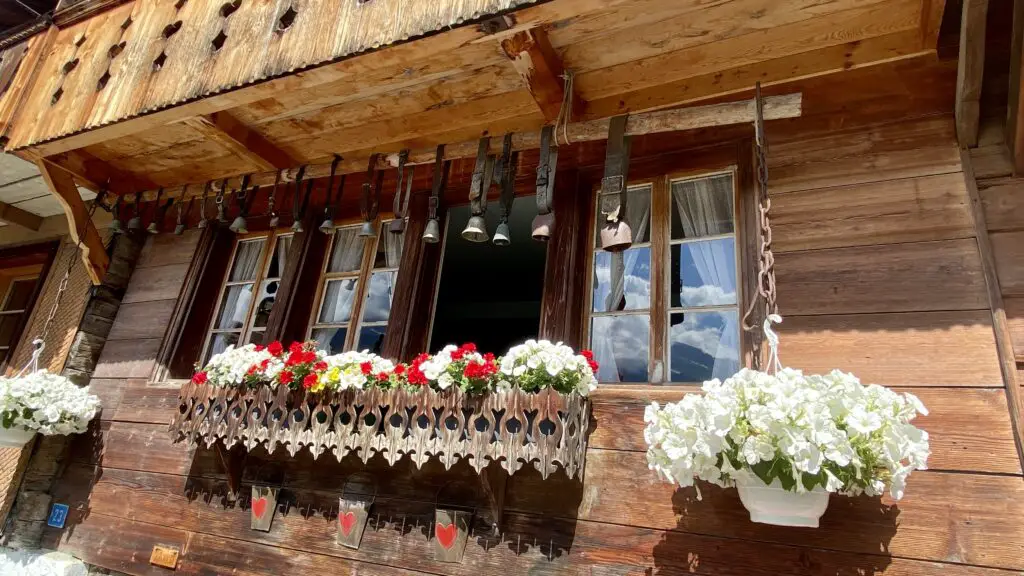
(616, 236)
(367, 230)
(135, 222)
(327, 226)
(115, 225)
(239, 226)
(543, 225)
(396, 226)
(502, 236)
(153, 228)
(297, 227)
(179, 229)
(476, 230)
(432, 233)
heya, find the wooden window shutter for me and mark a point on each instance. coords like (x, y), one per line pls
(297, 294)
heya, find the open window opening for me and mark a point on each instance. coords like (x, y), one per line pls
(490, 295)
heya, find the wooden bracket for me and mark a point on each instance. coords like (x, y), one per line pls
(96, 175)
(970, 68)
(492, 481)
(13, 215)
(62, 184)
(241, 141)
(232, 460)
(540, 66)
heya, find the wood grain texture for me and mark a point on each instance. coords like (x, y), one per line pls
(915, 277)
(896, 349)
(1014, 307)
(970, 70)
(1008, 248)
(141, 320)
(155, 283)
(886, 212)
(82, 230)
(127, 358)
(1004, 205)
(167, 249)
(969, 429)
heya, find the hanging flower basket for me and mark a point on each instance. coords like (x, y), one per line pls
(787, 440)
(528, 407)
(42, 402)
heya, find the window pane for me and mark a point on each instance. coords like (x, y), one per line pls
(8, 323)
(702, 207)
(234, 307)
(389, 248)
(371, 338)
(347, 251)
(279, 259)
(622, 280)
(265, 302)
(220, 342)
(19, 295)
(378, 297)
(247, 259)
(256, 337)
(330, 339)
(620, 346)
(703, 345)
(638, 215)
(704, 273)
(338, 298)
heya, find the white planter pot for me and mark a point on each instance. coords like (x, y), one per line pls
(15, 437)
(770, 504)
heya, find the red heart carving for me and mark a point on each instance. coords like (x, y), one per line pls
(259, 507)
(347, 521)
(445, 534)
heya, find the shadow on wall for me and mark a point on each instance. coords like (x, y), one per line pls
(861, 526)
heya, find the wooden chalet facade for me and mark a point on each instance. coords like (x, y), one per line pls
(897, 218)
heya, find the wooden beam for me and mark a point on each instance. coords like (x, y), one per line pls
(62, 185)
(679, 119)
(1015, 105)
(14, 215)
(95, 174)
(540, 67)
(970, 68)
(1004, 342)
(241, 141)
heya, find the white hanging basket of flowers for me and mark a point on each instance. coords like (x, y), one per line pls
(37, 401)
(787, 440)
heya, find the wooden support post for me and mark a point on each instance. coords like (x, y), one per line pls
(241, 140)
(233, 461)
(1004, 344)
(96, 175)
(541, 69)
(14, 215)
(970, 68)
(62, 185)
(1015, 106)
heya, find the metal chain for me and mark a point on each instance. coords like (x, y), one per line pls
(766, 262)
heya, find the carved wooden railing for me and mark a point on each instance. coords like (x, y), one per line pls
(512, 428)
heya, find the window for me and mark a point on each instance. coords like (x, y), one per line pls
(667, 309)
(248, 292)
(17, 304)
(354, 312)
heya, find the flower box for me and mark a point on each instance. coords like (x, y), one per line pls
(480, 419)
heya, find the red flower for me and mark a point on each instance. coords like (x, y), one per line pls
(366, 368)
(469, 347)
(295, 347)
(457, 354)
(382, 376)
(199, 378)
(293, 359)
(308, 357)
(275, 348)
(252, 370)
(320, 366)
(416, 377)
(587, 354)
(400, 369)
(309, 381)
(488, 357)
(264, 363)
(285, 377)
(260, 347)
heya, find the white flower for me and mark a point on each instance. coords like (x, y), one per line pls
(444, 381)
(862, 421)
(47, 403)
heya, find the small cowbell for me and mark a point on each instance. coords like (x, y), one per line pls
(367, 230)
(616, 236)
(476, 230)
(502, 236)
(179, 229)
(432, 233)
(543, 226)
(239, 225)
(275, 220)
(327, 226)
(116, 226)
(135, 222)
(297, 226)
(153, 228)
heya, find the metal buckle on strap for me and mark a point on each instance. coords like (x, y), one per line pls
(546, 170)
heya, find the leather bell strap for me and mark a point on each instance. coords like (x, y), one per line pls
(481, 179)
(507, 177)
(397, 207)
(329, 207)
(366, 202)
(297, 198)
(440, 179)
(546, 170)
(616, 167)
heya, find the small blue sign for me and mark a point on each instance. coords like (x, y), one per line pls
(58, 514)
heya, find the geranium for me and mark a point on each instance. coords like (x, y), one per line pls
(248, 365)
(538, 364)
(299, 363)
(352, 370)
(460, 366)
(805, 431)
(47, 403)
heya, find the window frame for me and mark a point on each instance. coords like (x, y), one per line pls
(23, 313)
(270, 238)
(362, 276)
(659, 311)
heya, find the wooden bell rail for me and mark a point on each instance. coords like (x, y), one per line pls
(677, 119)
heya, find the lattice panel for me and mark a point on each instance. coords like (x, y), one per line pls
(512, 428)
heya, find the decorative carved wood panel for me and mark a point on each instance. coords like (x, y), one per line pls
(512, 428)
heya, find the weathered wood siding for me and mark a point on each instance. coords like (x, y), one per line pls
(878, 273)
